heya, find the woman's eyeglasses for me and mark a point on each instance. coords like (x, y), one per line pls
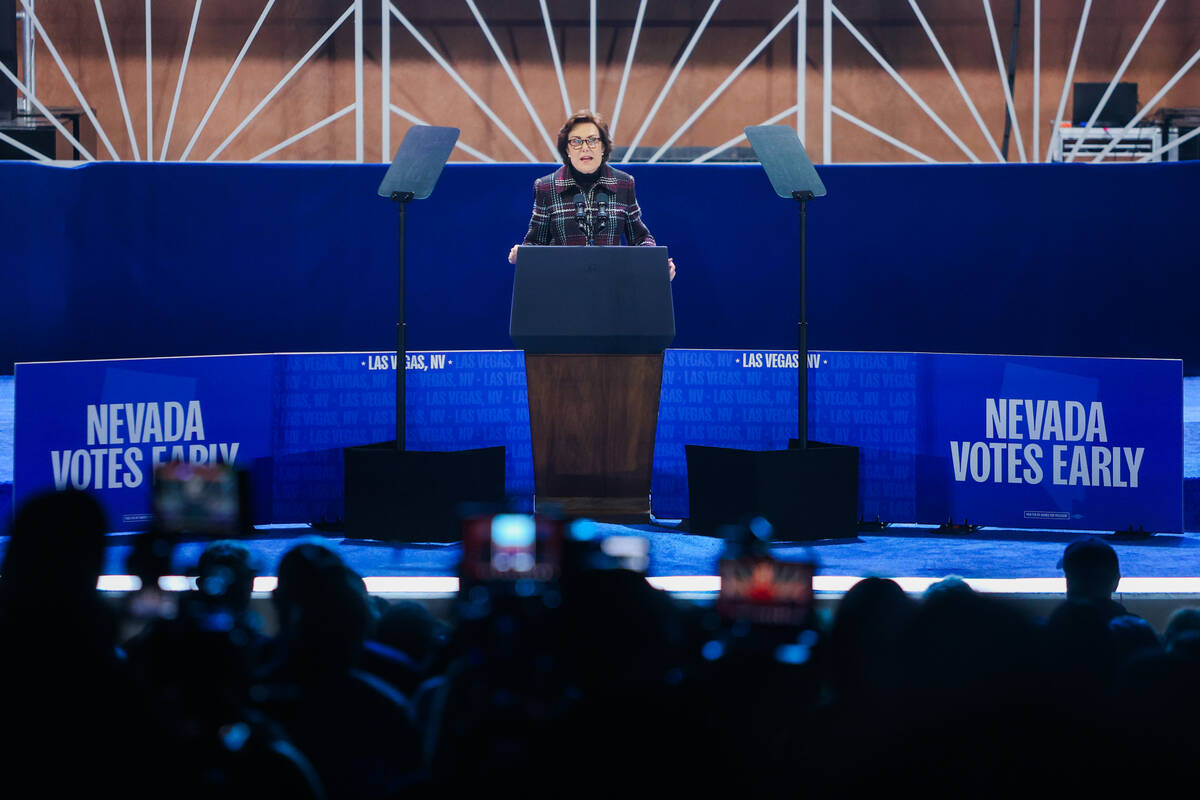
(576, 143)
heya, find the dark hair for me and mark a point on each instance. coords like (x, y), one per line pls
(581, 116)
(1091, 568)
(55, 546)
(322, 607)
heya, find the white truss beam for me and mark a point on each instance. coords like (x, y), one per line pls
(1008, 100)
(633, 43)
(1112, 85)
(462, 84)
(149, 88)
(466, 148)
(916, 98)
(385, 84)
(187, 54)
(1187, 137)
(801, 64)
(962, 90)
(747, 61)
(1037, 76)
(885, 137)
(592, 55)
(558, 70)
(1148, 106)
(66, 73)
(691, 45)
(512, 78)
(309, 130)
(228, 77)
(827, 82)
(359, 104)
(45, 112)
(721, 148)
(1062, 100)
(112, 62)
(284, 81)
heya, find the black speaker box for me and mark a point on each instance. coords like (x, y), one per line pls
(805, 494)
(415, 496)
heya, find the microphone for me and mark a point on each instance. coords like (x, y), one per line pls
(601, 211)
(581, 216)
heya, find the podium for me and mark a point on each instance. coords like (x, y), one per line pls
(593, 322)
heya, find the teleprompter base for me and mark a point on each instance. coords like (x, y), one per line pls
(416, 496)
(805, 494)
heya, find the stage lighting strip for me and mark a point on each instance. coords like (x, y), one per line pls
(433, 586)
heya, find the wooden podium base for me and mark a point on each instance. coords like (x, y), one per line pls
(593, 420)
(623, 510)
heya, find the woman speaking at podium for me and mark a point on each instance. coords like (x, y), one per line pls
(585, 198)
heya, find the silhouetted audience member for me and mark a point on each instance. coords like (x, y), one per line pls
(225, 576)
(546, 677)
(579, 684)
(212, 642)
(950, 583)
(867, 626)
(973, 675)
(491, 714)
(404, 646)
(1085, 651)
(355, 728)
(1132, 636)
(408, 626)
(622, 644)
(1093, 574)
(70, 710)
(1184, 623)
(1156, 702)
(195, 670)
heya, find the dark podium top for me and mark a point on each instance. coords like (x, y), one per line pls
(601, 300)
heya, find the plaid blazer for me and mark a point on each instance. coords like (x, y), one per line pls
(555, 219)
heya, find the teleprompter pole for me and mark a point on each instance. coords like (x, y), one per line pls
(802, 197)
(401, 199)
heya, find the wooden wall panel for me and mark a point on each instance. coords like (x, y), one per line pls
(421, 87)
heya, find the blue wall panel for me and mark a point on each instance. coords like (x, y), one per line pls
(122, 260)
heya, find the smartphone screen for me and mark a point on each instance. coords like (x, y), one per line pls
(196, 498)
(508, 547)
(514, 543)
(762, 590)
(627, 552)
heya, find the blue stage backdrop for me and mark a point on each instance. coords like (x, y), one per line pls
(117, 260)
(1018, 441)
